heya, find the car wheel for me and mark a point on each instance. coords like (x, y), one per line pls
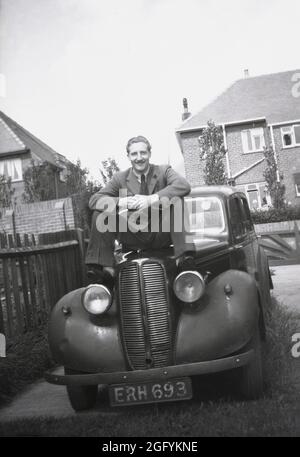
(81, 397)
(250, 376)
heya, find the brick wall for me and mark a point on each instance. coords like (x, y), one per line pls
(40, 217)
(238, 160)
(192, 162)
(194, 166)
(288, 159)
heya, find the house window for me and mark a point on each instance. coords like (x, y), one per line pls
(253, 140)
(254, 200)
(297, 183)
(11, 168)
(290, 136)
(63, 174)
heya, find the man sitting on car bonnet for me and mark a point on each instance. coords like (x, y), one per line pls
(144, 184)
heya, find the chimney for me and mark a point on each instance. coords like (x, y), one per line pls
(186, 112)
(246, 73)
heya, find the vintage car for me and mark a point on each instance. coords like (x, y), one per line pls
(173, 315)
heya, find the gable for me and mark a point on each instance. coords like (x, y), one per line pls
(9, 141)
(14, 138)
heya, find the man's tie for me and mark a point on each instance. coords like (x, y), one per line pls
(144, 187)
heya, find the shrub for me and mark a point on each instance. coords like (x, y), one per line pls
(6, 191)
(28, 357)
(274, 179)
(290, 213)
(212, 150)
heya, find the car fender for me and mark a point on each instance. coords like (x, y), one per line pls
(82, 341)
(222, 322)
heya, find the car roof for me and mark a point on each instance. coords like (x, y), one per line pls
(225, 191)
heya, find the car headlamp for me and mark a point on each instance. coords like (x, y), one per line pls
(189, 286)
(96, 299)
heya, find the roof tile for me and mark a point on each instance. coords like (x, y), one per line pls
(268, 96)
(14, 138)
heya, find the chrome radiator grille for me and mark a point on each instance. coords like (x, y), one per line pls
(145, 316)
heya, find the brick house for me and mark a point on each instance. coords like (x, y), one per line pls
(18, 147)
(253, 112)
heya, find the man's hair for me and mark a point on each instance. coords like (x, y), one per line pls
(138, 139)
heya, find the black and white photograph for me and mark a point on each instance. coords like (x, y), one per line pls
(149, 221)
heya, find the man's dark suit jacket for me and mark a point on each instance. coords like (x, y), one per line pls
(161, 179)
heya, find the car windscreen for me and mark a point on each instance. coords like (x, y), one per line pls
(205, 215)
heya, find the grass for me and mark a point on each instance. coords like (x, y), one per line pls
(276, 414)
(27, 358)
(279, 365)
(266, 417)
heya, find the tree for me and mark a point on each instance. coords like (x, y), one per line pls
(212, 150)
(76, 180)
(6, 192)
(40, 182)
(81, 188)
(109, 167)
(274, 180)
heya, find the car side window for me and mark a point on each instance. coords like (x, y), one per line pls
(237, 219)
(246, 210)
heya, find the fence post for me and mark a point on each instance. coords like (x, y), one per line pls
(2, 330)
(81, 250)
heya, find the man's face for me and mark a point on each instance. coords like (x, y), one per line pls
(139, 157)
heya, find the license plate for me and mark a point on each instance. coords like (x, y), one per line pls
(149, 392)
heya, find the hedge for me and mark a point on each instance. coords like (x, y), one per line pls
(290, 213)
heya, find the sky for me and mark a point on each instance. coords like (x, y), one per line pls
(86, 75)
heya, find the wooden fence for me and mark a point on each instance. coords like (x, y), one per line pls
(278, 250)
(34, 274)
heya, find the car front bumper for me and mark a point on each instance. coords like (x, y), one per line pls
(189, 369)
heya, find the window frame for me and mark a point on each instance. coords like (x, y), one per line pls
(293, 135)
(21, 168)
(188, 201)
(239, 232)
(297, 184)
(245, 144)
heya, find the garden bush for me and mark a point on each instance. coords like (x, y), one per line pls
(27, 358)
(289, 213)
